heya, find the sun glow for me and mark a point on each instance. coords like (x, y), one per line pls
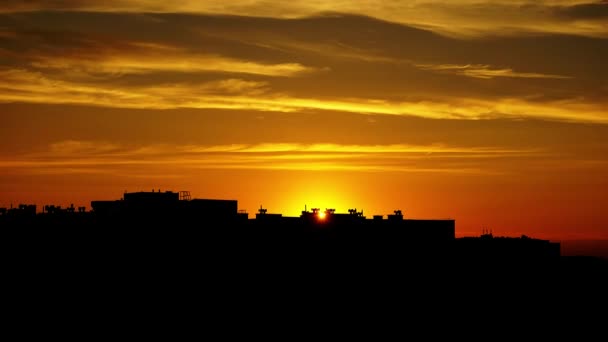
(321, 215)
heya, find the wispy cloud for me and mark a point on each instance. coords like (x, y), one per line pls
(465, 17)
(34, 87)
(157, 59)
(87, 156)
(79, 148)
(484, 71)
(161, 61)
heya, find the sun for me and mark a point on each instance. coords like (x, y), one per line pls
(321, 215)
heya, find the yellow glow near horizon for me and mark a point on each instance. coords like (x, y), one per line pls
(328, 192)
(321, 215)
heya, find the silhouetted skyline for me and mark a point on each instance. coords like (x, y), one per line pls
(169, 235)
(489, 111)
(217, 220)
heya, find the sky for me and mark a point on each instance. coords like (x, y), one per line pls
(492, 113)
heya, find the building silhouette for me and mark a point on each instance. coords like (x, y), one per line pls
(167, 205)
(175, 218)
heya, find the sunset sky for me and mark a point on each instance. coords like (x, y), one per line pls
(494, 113)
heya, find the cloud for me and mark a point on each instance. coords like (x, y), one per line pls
(34, 87)
(338, 63)
(597, 10)
(88, 52)
(484, 71)
(25, 86)
(158, 59)
(87, 148)
(77, 148)
(87, 156)
(465, 17)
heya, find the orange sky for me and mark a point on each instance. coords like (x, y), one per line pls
(493, 113)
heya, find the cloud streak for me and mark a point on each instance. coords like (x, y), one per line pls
(484, 71)
(159, 59)
(334, 63)
(468, 17)
(87, 156)
(33, 87)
